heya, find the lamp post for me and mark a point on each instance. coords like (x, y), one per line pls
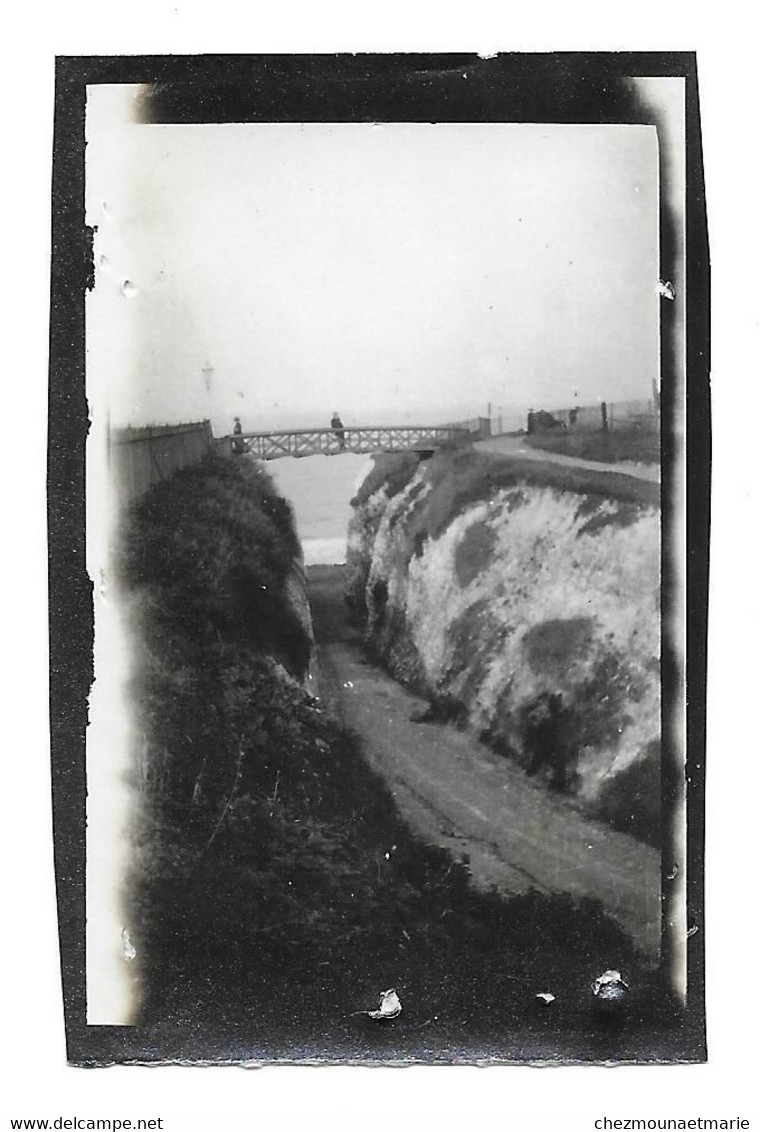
(208, 374)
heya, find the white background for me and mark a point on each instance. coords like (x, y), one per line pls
(40, 1084)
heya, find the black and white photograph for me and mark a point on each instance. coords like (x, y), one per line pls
(375, 382)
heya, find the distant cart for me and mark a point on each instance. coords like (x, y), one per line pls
(542, 421)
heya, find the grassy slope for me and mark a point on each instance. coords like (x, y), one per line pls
(469, 476)
(639, 445)
(275, 890)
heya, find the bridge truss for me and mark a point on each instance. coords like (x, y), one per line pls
(333, 442)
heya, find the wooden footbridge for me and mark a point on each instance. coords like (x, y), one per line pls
(335, 441)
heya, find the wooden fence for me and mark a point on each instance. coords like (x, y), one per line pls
(141, 457)
(616, 414)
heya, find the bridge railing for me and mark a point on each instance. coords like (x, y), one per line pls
(332, 441)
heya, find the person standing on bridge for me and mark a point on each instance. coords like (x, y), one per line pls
(337, 426)
(238, 444)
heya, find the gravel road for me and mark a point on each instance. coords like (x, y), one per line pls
(516, 446)
(456, 793)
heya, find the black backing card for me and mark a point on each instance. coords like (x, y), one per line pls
(551, 88)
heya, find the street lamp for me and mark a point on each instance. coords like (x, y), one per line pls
(208, 374)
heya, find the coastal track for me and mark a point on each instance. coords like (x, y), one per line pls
(456, 793)
(515, 446)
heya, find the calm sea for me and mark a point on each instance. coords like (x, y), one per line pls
(320, 489)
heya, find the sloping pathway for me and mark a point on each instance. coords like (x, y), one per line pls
(456, 793)
(516, 446)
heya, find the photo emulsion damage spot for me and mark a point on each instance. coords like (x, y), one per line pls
(368, 518)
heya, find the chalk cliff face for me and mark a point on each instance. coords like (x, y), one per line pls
(524, 600)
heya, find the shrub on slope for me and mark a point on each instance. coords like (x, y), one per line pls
(218, 544)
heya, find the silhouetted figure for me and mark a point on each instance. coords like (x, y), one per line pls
(547, 727)
(238, 444)
(337, 426)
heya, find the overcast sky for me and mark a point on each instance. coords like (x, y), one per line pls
(401, 272)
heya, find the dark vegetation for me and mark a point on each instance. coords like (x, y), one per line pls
(631, 802)
(548, 735)
(211, 550)
(275, 891)
(638, 444)
(393, 471)
(474, 552)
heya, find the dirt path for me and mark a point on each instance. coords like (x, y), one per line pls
(456, 793)
(516, 446)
